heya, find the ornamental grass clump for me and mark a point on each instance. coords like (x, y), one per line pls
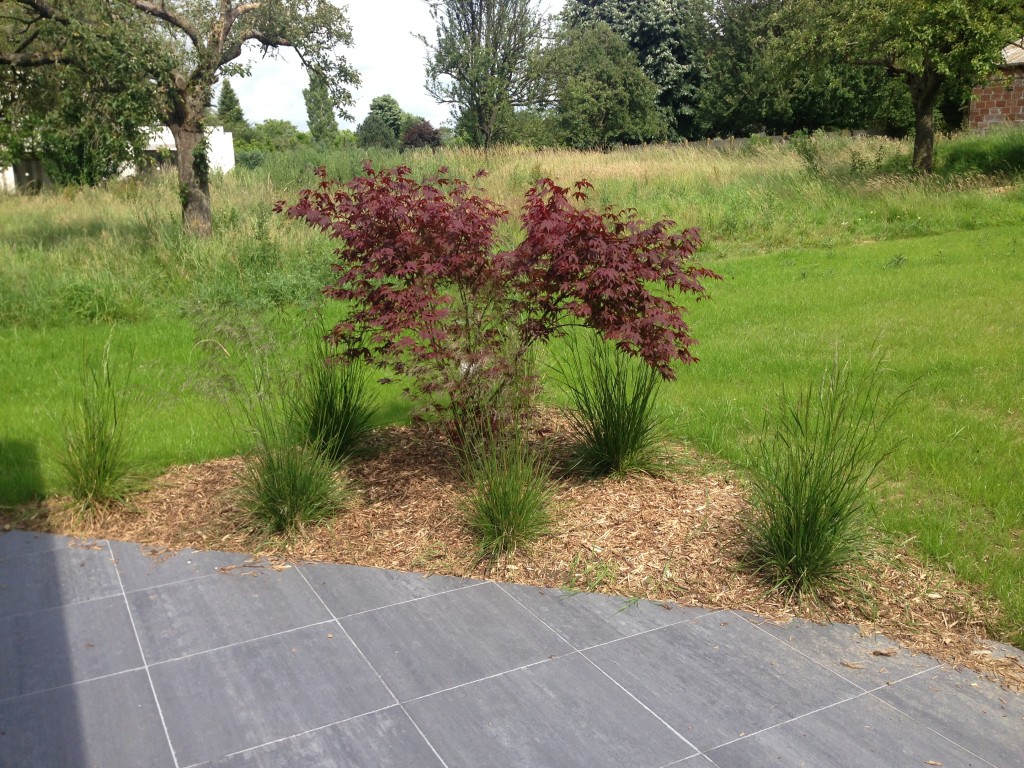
(333, 405)
(510, 498)
(98, 461)
(614, 413)
(285, 481)
(812, 470)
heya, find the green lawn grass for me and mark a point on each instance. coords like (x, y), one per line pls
(815, 263)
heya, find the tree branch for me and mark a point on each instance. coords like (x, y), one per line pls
(36, 59)
(162, 13)
(268, 41)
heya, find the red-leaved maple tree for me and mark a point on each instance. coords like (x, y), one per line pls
(433, 297)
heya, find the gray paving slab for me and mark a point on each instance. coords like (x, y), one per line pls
(349, 589)
(68, 644)
(863, 732)
(971, 711)
(58, 576)
(15, 543)
(228, 607)
(868, 662)
(145, 567)
(224, 701)
(586, 620)
(718, 677)
(251, 669)
(112, 722)
(563, 713)
(385, 739)
(452, 638)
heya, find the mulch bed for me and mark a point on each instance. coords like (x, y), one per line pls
(663, 538)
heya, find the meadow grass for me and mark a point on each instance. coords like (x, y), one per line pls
(844, 256)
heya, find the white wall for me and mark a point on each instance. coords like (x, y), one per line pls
(222, 147)
(7, 180)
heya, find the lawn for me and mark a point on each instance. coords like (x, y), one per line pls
(844, 259)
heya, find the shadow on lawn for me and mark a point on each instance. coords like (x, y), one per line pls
(21, 477)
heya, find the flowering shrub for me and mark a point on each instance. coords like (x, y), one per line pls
(432, 296)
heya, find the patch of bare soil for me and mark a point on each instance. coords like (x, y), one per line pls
(672, 538)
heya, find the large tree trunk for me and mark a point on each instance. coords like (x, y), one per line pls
(186, 126)
(924, 90)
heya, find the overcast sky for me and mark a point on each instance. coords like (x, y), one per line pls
(389, 60)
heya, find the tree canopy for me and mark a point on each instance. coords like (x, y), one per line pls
(229, 110)
(480, 62)
(387, 109)
(925, 44)
(661, 34)
(86, 109)
(602, 96)
(323, 125)
(180, 49)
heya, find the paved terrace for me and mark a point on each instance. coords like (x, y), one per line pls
(109, 657)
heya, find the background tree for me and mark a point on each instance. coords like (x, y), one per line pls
(661, 34)
(87, 111)
(421, 134)
(323, 126)
(602, 96)
(480, 61)
(229, 112)
(374, 132)
(198, 41)
(388, 110)
(274, 136)
(752, 79)
(928, 45)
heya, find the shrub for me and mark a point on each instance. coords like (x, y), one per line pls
(333, 405)
(996, 153)
(421, 134)
(812, 469)
(510, 498)
(285, 482)
(430, 296)
(614, 409)
(98, 461)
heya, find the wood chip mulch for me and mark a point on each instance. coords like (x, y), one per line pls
(671, 538)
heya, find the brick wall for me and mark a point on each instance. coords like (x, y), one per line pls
(1001, 102)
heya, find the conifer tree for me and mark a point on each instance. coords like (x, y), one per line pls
(323, 126)
(229, 110)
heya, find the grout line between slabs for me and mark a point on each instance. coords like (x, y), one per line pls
(796, 650)
(199, 576)
(941, 735)
(387, 687)
(746, 736)
(241, 642)
(490, 677)
(616, 682)
(69, 685)
(293, 736)
(690, 620)
(74, 603)
(393, 605)
(142, 653)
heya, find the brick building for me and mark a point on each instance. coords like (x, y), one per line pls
(1001, 101)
